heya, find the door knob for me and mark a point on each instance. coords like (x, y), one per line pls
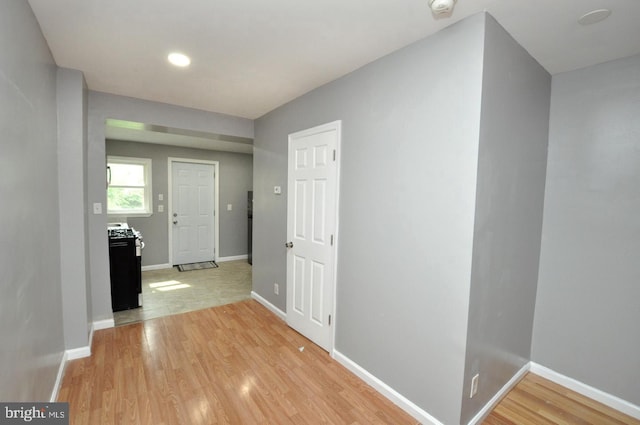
(175, 221)
(289, 244)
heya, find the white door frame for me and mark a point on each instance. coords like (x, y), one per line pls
(337, 126)
(216, 223)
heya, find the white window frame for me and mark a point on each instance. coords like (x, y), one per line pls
(148, 189)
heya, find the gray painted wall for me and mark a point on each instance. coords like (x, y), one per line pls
(31, 325)
(101, 107)
(235, 179)
(512, 159)
(408, 176)
(587, 311)
(72, 143)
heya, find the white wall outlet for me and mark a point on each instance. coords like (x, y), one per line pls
(160, 197)
(277, 190)
(474, 385)
(160, 208)
(276, 289)
(229, 207)
(97, 208)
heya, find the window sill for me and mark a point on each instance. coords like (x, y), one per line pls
(128, 215)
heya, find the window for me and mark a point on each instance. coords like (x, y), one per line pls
(129, 186)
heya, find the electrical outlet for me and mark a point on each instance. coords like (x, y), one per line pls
(276, 289)
(474, 385)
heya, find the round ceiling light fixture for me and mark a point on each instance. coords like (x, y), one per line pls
(594, 16)
(442, 7)
(179, 59)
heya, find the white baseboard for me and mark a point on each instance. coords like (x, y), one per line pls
(58, 383)
(588, 391)
(103, 324)
(384, 389)
(156, 267)
(232, 258)
(75, 353)
(491, 404)
(275, 310)
(78, 353)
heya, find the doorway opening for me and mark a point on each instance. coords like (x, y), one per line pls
(166, 290)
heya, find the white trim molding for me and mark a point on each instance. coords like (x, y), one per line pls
(232, 258)
(275, 310)
(102, 324)
(586, 390)
(384, 389)
(58, 383)
(78, 353)
(491, 404)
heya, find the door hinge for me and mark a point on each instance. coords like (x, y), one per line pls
(334, 155)
(331, 240)
(329, 320)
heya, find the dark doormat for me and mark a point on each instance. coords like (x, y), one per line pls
(197, 266)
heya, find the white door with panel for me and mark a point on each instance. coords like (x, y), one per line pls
(192, 212)
(311, 231)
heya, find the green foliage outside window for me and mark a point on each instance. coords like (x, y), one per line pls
(129, 186)
(125, 199)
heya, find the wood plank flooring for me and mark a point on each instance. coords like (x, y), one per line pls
(234, 364)
(538, 401)
(240, 364)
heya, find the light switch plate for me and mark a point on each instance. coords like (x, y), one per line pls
(97, 208)
(160, 197)
(160, 208)
(229, 207)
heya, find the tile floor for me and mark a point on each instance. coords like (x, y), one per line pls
(169, 291)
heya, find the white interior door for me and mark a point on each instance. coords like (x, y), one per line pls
(192, 212)
(311, 232)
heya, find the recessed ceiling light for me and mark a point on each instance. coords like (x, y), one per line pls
(594, 16)
(178, 59)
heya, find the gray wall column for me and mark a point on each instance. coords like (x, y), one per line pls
(512, 160)
(71, 101)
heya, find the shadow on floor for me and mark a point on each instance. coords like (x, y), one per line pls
(169, 291)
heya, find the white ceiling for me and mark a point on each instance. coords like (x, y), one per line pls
(251, 56)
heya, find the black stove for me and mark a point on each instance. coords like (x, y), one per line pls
(121, 233)
(125, 265)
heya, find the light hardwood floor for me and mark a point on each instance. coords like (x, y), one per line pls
(240, 364)
(538, 401)
(234, 364)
